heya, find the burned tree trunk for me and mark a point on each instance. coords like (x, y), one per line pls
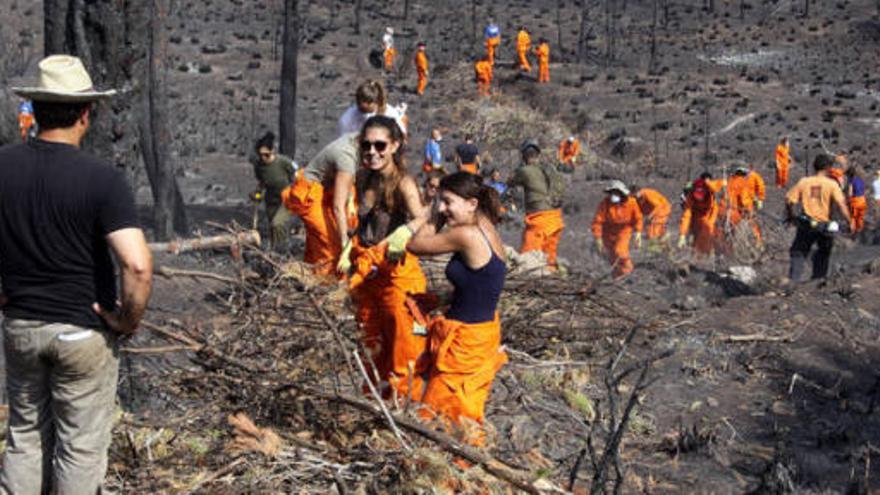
(559, 48)
(357, 15)
(583, 33)
(287, 115)
(652, 65)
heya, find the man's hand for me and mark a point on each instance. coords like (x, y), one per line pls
(115, 319)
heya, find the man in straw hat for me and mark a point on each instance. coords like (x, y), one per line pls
(62, 212)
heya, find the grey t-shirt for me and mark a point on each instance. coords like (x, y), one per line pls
(340, 155)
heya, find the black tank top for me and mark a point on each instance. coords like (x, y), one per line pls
(476, 293)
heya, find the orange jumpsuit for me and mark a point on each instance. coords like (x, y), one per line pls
(313, 203)
(483, 70)
(783, 159)
(614, 224)
(388, 328)
(523, 45)
(491, 45)
(837, 174)
(421, 71)
(656, 207)
(700, 219)
(742, 203)
(568, 151)
(858, 206)
(462, 361)
(390, 53)
(543, 54)
(25, 122)
(542, 233)
(756, 184)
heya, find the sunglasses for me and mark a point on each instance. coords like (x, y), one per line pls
(380, 146)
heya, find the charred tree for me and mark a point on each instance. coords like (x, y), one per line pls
(584, 32)
(405, 10)
(559, 48)
(357, 14)
(652, 64)
(287, 114)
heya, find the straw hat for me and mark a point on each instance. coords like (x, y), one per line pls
(617, 185)
(63, 79)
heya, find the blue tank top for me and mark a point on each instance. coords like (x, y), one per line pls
(858, 187)
(476, 293)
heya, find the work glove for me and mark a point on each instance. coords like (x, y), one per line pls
(397, 243)
(256, 196)
(760, 204)
(638, 240)
(344, 264)
(600, 246)
(682, 241)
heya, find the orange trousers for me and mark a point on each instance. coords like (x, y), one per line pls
(423, 83)
(858, 206)
(389, 58)
(387, 327)
(470, 168)
(491, 44)
(25, 122)
(542, 233)
(781, 176)
(462, 362)
(314, 205)
(543, 72)
(656, 229)
(703, 229)
(524, 60)
(617, 251)
(483, 86)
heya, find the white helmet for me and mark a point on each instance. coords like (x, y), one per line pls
(617, 185)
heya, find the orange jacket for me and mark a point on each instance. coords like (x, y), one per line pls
(837, 174)
(740, 192)
(756, 185)
(543, 53)
(523, 41)
(483, 70)
(568, 150)
(421, 62)
(612, 220)
(783, 156)
(653, 203)
(707, 214)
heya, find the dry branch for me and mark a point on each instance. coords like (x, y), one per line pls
(250, 237)
(169, 272)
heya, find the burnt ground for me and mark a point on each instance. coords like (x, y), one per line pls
(792, 411)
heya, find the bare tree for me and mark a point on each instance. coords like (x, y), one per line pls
(559, 49)
(287, 114)
(652, 64)
(584, 32)
(357, 15)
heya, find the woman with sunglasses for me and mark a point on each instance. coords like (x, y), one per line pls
(382, 273)
(465, 343)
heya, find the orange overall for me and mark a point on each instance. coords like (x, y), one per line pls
(656, 207)
(543, 54)
(568, 151)
(858, 206)
(523, 45)
(614, 224)
(470, 168)
(422, 71)
(700, 218)
(390, 53)
(542, 233)
(25, 122)
(491, 45)
(783, 159)
(388, 328)
(462, 362)
(742, 203)
(756, 184)
(483, 71)
(838, 174)
(313, 203)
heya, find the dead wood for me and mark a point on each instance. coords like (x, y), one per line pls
(250, 237)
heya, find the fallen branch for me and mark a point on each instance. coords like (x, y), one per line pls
(217, 474)
(159, 350)
(757, 337)
(203, 348)
(169, 272)
(250, 237)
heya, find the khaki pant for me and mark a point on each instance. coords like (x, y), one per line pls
(279, 221)
(61, 381)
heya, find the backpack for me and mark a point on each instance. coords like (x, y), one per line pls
(556, 185)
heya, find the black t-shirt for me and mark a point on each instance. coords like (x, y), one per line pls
(57, 204)
(467, 153)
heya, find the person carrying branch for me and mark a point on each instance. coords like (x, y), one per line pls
(464, 350)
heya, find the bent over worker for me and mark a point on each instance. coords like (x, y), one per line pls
(543, 54)
(483, 75)
(815, 194)
(465, 351)
(656, 211)
(617, 219)
(274, 173)
(421, 68)
(543, 197)
(382, 273)
(700, 214)
(322, 196)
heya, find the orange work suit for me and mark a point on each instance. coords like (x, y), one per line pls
(470, 168)
(313, 203)
(483, 71)
(543, 54)
(756, 185)
(462, 361)
(655, 206)
(523, 45)
(837, 174)
(25, 122)
(542, 233)
(390, 53)
(614, 224)
(783, 160)
(387, 327)
(568, 151)
(491, 45)
(858, 206)
(421, 71)
(700, 219)
(742, 203)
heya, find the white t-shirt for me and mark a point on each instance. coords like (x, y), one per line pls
(387, 40)
(876, 187)
(353, 119)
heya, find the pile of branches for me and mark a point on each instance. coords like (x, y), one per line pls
(268, 394)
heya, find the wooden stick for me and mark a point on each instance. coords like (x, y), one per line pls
(250, 237)
(217, 474)
(757, 337)
(158, 350)
(169, 272)
(199, 347)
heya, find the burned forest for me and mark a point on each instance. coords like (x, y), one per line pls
(689, 374)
